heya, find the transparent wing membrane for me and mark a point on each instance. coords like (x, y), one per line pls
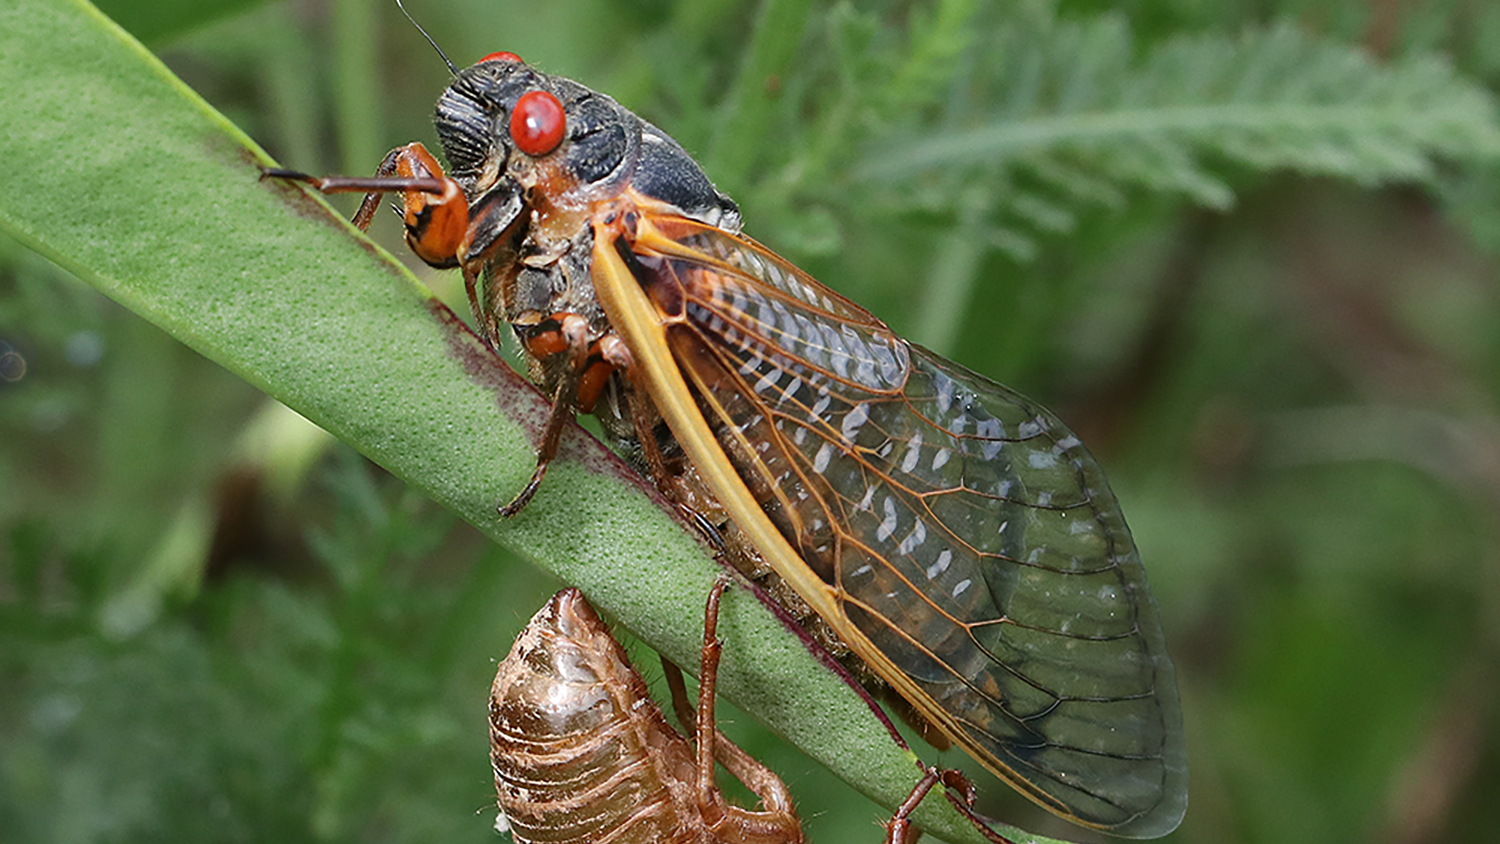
(963, 528)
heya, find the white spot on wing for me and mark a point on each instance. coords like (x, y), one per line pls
(944, 386)
(854, 420)
(891, 369)
(816, 414)
(888, 524)
(914, 539)
(941, 565)
(913, 453)
(940, 459)
(1042, 460)
(820, 461)
(838, 356)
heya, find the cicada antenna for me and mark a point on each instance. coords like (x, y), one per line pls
(451, 69)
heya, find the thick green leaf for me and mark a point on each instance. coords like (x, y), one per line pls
(124, 176)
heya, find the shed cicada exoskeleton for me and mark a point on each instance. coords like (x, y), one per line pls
(582, 754)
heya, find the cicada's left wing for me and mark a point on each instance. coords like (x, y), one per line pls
(956, 535)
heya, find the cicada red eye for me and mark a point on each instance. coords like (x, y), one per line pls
(501, 56)
(537, 123)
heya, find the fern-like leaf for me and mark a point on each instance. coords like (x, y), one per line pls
(1079, 118)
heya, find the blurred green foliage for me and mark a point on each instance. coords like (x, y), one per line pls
(1248, 250)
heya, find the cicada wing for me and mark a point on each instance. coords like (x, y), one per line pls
(960, 528)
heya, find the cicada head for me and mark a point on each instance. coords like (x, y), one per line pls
(502, 118)
(564, 144)
(535, 154)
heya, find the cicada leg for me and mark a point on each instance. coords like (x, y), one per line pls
(777, 821)
(680, 484)
(779, 817)
(445, 231)
(434, 210)
(583, 380)
(901, 830)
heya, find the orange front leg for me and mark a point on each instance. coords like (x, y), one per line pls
(434, 209)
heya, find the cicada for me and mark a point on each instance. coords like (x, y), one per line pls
(951, 536)
(581, 752)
